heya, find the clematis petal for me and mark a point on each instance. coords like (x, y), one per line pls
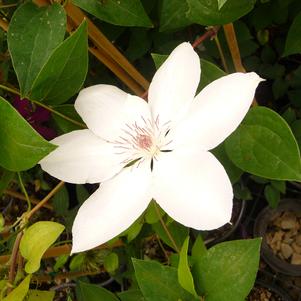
(82, 157)
(193, 188)
(217, 110)
(112, 208)
(106, 109)
(174, 84)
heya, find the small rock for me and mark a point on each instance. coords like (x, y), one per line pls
(296, 248)
(286, 250)
(289, 221)
(296, 259)
(298, 239)
(278, 236)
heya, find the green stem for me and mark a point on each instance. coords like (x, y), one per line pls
(166, 229)
(14, 91)
(24, 192)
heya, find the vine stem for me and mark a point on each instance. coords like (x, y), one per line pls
(24, 191)
(221, 53)
(16, 92)
(166, 229)
(13, 258)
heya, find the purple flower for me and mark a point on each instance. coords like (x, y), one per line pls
(36, 116)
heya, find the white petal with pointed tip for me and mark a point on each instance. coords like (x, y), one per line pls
(112, 208)
(82, 157)
(217, 110)
(193, 188)
(106, 110)
(174, 85)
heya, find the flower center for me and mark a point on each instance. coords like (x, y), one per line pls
(144, 141)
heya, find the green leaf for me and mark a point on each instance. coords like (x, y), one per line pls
(272, 195)
(232, 170)
(33, 34)
(117, 12)
(21, 146)
(151, 215)
(81, 193)
(177, 231)
(60, 201)
(176, 14)
(20, 292)
(37, 295)
(64, 125)
(65, 71)
(133, 231)
(60, 262)
(279, 185)
(210, 72)
(5, 179)
(111, 262)
(264, 145)
(293, 40)
(198, 248)
(159, 59)
(228, 270)
(90, 292)
(36, 240)
(131, 295)
(221, 3)
(158, 282)
(184, 274)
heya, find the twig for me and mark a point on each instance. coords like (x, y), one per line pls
(211, 32)
(13, 259)
(45, 200)
(3, 25)
(233, 46)
(20, 196)
(62, 276)
(166, 229)
(16, 92)
(64, 250)
(234, 50)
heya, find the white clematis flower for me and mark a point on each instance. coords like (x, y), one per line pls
(168, 138)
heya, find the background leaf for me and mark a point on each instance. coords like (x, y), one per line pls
(176, 14)
(153, 277)
(265, 146)
(125, 12)
(21, 146)
(228, 270)
(65, 71)
(37, 295)
(293, 39)
(131, 295)
(36, 240)
(33, 34)
(90, 292)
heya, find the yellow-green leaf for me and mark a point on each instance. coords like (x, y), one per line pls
(36, 295)
(20, 292)
(36, 240)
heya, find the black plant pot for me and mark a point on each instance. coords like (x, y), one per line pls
(275, 290)
(260, 228)
(222, 233)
